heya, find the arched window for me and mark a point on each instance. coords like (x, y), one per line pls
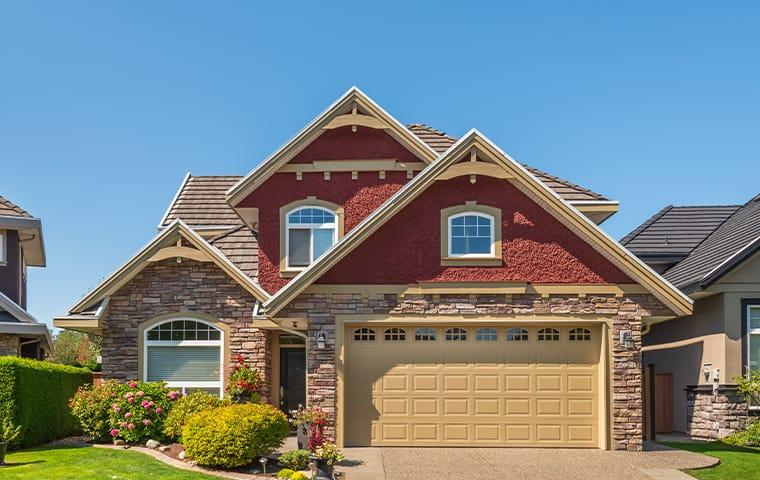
(425, 334)
(517, 335)
(310, 232)
(580, 335)
(548, 335)
(486, 335)
(471, 235)
(364, 334)
(187, 354)
(456, 334)
(395, 334)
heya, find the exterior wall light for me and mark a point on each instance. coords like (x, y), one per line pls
(321, 340)
(626, 339)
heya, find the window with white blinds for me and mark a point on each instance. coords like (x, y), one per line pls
(186, 354)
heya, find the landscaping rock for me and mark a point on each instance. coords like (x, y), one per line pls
(181, 455)
(152, 444)
(164, 448)
(118, 442)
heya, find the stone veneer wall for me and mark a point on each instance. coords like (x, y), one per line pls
(8, 345)
(712, 415)
(626, 313)
(170, 287)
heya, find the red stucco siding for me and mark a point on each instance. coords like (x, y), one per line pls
(343, 144)
(536, 247)
(358, 197)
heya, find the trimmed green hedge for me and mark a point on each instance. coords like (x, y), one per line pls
(36, 394)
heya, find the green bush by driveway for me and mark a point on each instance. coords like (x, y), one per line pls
(735, 462)
(35, 395)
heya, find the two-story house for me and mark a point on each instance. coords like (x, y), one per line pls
(421, 290)
(21, 246)
(710, 252)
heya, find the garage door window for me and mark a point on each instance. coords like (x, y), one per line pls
(580, 335)
(364, 335)
(486, 335)
(425, 335)
(456, 334)
(548, 335)
(395, 334)
(517, 335)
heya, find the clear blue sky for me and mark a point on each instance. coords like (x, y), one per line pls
(104, 106)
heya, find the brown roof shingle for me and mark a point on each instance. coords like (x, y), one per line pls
(201, 201)
(241, 246)
(440, 142)
(10, 209)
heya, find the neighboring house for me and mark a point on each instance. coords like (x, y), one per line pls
(711, 254)
(421, 290)
(20, 246)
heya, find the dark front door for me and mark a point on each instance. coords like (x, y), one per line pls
(292, 378)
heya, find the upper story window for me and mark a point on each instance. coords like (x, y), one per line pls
(471, 235)
(310, 232)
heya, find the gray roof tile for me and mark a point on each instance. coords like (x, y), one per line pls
(676, 231)
(727, 246)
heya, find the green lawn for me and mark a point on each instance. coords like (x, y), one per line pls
(735, 462)
(79, 463)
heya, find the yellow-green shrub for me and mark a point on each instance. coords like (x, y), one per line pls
(186, 407)
(234, 435)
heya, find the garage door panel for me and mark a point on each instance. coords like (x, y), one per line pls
(466, 393)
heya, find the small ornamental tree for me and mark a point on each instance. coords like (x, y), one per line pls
(749, 387)
(244, 381)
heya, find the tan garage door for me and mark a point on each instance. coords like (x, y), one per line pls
(465, 386)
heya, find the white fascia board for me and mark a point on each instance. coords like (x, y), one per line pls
(174, 200)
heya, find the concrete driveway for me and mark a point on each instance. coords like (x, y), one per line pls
(519, 463)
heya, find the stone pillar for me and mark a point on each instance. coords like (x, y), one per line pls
(714, 414)
(627, 378)
(8, 345)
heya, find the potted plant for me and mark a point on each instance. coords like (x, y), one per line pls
(325, 457)
(244, 382)
(8, 433)
(308, 423)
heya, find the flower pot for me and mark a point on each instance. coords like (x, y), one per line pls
(3, 448)
(324, 470)
(302, 436)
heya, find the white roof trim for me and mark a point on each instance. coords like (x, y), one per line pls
(728, 260)
(330, 110)
(177, 226)
(15, 309)
(174, 200)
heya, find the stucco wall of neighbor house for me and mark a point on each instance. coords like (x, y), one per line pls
(168, 287)
(536, 247)
(625, 313)
(8, 344)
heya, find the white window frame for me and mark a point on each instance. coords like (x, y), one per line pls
(183, 386)
(492, 221)
(3, 247)
(307, 226)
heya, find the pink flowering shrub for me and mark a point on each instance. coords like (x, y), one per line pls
(138, 410)
(132, 411)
